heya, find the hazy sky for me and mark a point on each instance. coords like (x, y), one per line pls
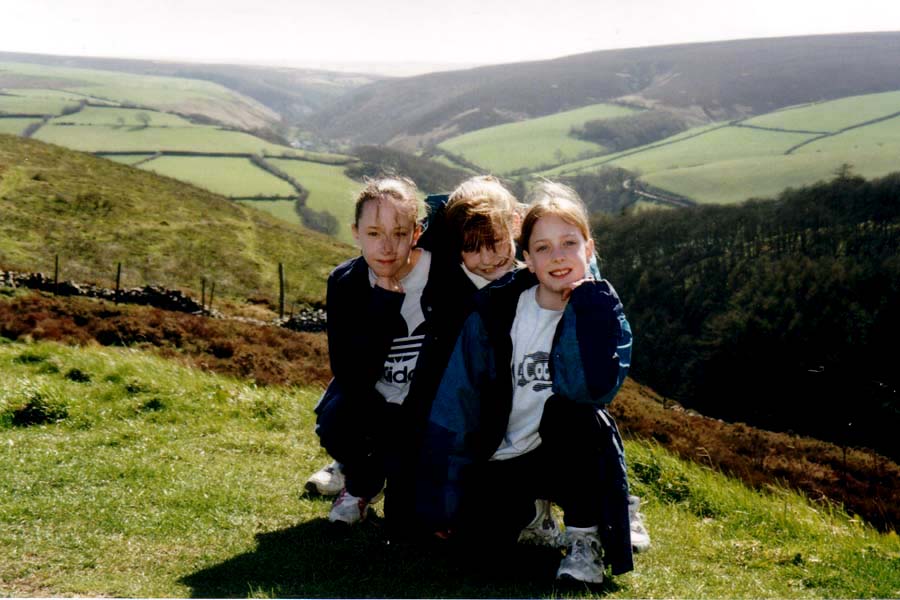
(367, 32)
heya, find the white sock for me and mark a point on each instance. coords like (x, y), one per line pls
(593, 529)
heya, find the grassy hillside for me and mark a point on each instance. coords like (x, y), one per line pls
(162, 93)
(704, 82)
(291, 93)
(759, 157)
(528, 145)
(147, 479)
(94, 213)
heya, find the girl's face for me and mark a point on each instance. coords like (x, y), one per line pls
(386, 237)
(557, 253)
(491, 264)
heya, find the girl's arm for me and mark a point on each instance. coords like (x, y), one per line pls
(359, 327)
(593, 352)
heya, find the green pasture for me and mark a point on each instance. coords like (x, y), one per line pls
(163, 93)
(15, 104)
(15, 126)
(330, 190)
(879, 138)
(533, 143)
(833, 115)
(871, 151)
(150, 479)
(221, 175)
(588, 164)
(123, 117)
(99, 138)
(281, 209)
(724, 144)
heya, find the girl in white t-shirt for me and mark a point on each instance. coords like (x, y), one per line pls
(520, 413)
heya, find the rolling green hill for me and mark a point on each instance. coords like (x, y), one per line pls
(708, 82)
(532, 144)
(291, 93)
(759, 157)
(94, 213)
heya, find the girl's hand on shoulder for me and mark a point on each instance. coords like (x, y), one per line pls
(391, 284)
(567, 292)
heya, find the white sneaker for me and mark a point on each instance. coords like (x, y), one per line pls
(640, 539)
(582, 561)
(348, 509)
(543, 529)
(327, 481)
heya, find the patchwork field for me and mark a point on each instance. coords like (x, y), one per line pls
(122, 117)
(728, 162)
(831, 116)
(112, 138)
(234, 177)
(162, 93)
(533, 143)
(329, 190)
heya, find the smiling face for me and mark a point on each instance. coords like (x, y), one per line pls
(386, 236)
(490, 263)
(557, 254)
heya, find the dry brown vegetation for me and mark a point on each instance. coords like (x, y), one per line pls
(863, 482)
(264, 353)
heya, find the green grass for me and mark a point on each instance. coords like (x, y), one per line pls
(281, 209)
(123, 117)
(162, 93)
(156, 480)
(589, 164)
(329, 190)
(533, 143)
(34, 105)
(720, 145)
(15, 126)
(94, 213)
(833, 115)
(226, 176)
(109, 138)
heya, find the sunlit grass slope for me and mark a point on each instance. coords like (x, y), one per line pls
(94, 213)
(128, 476)
(173, 94)
(761, 156)
(330, 190)
(532, 143)
(235, 177)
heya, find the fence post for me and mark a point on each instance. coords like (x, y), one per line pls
(280, 290)
(203, 294)
(56, 274)
(118, 281)
(212, 291)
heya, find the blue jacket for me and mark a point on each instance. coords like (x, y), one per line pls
(589, 359)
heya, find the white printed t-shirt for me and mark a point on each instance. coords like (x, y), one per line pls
(532, 338)
(400, 363)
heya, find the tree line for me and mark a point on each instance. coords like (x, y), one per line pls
(779, 313)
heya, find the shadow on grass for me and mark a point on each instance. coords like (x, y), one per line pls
(321, 559)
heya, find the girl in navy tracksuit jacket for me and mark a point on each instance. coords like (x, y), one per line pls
(392, 324)
(520, 412)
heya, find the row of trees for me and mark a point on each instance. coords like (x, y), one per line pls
(630, 131)
(782, 314)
